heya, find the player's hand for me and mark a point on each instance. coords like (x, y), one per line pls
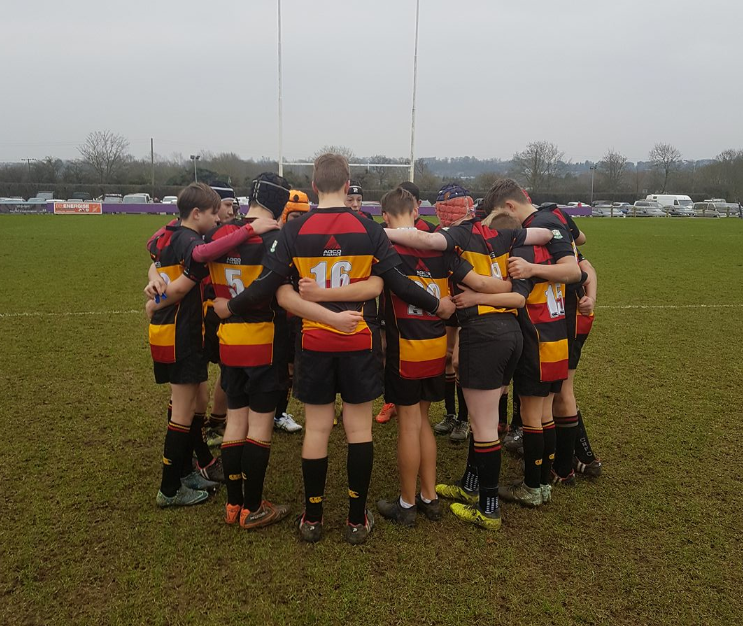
(586, 305)
(149, 308)
(346, 321)
(221, 308)
(309, 290)
(520, 268)
(155, 287)
(446, 308)
(263, 225)
(466, 299)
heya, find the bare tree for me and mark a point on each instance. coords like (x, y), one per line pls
(537, 164)
(105, 152)
(346, 152)
(612, 166)
(728, 172)
(666, 159)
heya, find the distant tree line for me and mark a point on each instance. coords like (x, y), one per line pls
(105, 165)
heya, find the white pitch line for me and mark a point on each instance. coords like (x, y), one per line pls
(671, 306)
(70, 313)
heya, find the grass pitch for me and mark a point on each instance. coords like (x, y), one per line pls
(657, 540)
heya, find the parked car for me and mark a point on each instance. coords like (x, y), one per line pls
(706, 209)
(80, 196)
(680, 211)
(112, 198)
(647, 208)
(606, 210)
(137, 198)
(624, 207)
(730, 209)
(170, 200)
(12, 200)
(675, 204)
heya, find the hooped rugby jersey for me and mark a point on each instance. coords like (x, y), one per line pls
(425, 226)
(245, 340)
(176, 331)
(579, 325)
(487, 250)
(416, 339)
(334, 247)
(542, 321)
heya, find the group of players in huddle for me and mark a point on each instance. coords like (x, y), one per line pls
(326, 301)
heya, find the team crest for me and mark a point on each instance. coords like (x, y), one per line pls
(556, 234)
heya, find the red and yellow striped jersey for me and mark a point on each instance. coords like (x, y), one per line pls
(176, 331)
(334, 247)
(487, 250)
(416, 339)
(245, 340)
(542, 321)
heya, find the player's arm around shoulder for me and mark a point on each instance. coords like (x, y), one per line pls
(418, 239)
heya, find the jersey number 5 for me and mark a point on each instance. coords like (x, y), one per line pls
(339, 274)
(234, 282)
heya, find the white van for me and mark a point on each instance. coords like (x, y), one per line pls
(674, 204)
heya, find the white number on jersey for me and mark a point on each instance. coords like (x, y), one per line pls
(432, 288)
(339, 274)
(234, 282)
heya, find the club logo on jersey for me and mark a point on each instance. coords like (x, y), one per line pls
(332, 248)
(556, 234)
(422, 271)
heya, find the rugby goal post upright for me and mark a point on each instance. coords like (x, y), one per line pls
(415, 86)
(281, 121)
(410, 165)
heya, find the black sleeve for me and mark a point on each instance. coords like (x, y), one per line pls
(562, 241)
(261, 289)
(457, 237)
(458, 267)
(279, 258)
(195, 270)
(385, 255)
(410, 292)
(523, 286)
(518, 237)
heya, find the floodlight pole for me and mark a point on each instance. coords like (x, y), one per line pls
(194, 158)
(415, 89)
(593, 170)
(281, 122)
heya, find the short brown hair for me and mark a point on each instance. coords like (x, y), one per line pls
(500, 192)
(501, 221)
(398, 202)
(331, 172)
(197, 196)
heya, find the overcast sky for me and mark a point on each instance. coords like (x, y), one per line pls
(492, 76)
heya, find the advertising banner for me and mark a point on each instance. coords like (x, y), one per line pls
(78, 208)
(21, 208)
